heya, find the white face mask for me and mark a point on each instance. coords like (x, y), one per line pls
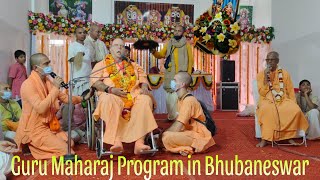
(173, 86)
(46, 70)
(6, 95)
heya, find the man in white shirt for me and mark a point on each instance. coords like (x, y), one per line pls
(82, 61)
(98, 49)
(82, 68)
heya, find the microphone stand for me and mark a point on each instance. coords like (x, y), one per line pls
(70, 156)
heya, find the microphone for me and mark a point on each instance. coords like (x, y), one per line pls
(124, 57)
(53, 75)
(268, 68)
(89, 75)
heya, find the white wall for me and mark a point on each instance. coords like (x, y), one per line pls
(261, 12)
(297, 39)
(14, 32)
(102, 10)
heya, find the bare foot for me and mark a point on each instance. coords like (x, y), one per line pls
(262, 143)
(139, 147)
(185, 152)
(117, 147)
(291, 141)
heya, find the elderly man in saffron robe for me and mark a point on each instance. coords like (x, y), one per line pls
(279, 115)
(124, 102)
(40, 103)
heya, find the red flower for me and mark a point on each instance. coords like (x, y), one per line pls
(209, 18)
(226, 22)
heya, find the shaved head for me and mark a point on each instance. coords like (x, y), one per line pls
(117, 41)
(78, 29)
(272, 60)
(35, 59)
(95, 31)
(94, 27)
(3, 86)
(184, 77)
(80, 34)
(273, 55)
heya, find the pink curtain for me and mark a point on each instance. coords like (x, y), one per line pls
(56, 48)
(250, 59)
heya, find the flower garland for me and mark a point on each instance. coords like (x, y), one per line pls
(257, 35)
(219, 33)
(39, 22)
(126, 81)
(278, 96)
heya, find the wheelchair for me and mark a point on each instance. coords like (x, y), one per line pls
(95, 132)
(90, 123)
(90, 126)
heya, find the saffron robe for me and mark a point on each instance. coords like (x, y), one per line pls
(291, 122)
(194, 135)
(40, 104)
(110, 106)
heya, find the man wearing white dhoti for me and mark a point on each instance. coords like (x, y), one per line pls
(6, 150)
(309, 104)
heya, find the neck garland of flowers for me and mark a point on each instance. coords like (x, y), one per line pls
(278, 96)
(126, 81)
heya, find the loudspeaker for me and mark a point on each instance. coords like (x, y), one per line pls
(227, 69)
(228, 96)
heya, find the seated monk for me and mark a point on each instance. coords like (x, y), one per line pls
(279, 116)
(10, 112)
(124, 102)
(6, 150)
(186, 135)
(309, 104)
(40, 103)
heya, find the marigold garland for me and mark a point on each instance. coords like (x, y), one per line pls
(39, 22)
(278, 96)
(125, 80)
